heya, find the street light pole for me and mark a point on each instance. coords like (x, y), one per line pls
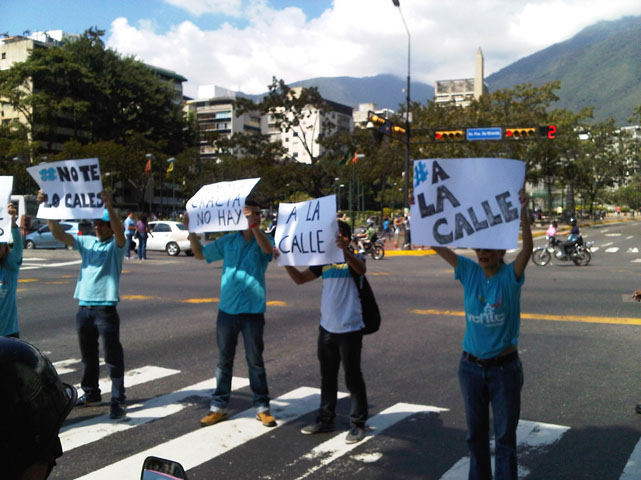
(407, 123)
(172, 161)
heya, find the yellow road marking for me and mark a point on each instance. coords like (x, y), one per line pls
(27, 280)
(552, 318)
(276, 303)
(137, 297)
(201, 300)
(67, 276)
(377, 274)
(57, 282)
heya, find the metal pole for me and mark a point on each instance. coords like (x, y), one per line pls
(406, 202)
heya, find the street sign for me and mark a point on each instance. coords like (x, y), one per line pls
(491, 133)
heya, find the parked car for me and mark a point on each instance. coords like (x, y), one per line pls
(43, 238)
(168, 236)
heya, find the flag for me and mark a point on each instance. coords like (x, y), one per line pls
(170, 169)
(349, 157)
(355, 157)
(148, 167)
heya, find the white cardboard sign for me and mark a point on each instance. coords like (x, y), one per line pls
(72, 188)
(306, 233)
(467, 202)
(218, 207)
(6, 185)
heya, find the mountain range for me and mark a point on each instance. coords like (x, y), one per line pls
(600, 66)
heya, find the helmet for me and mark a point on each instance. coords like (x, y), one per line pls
(33, 405)
(573, 221)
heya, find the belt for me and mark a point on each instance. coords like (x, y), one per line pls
(491, 362)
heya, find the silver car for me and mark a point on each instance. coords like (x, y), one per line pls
(43, 238)
(168, 236)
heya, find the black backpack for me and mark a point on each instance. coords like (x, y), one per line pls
(371, 314)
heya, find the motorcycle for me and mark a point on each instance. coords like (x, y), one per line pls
(579, 252)
(375, 247)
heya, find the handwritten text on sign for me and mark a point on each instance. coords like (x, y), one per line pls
(219, 207)
(306, 233)
(467, 202)
(72, 189)
(6, 185)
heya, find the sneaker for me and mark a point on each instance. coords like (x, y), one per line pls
(355, 435)
(212, 417)
(266, 418)
(318, 427)
(117, 411)
(85, 400)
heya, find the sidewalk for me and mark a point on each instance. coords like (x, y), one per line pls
(538, 230)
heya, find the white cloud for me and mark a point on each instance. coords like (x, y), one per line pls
(359, 38)
(199, 7)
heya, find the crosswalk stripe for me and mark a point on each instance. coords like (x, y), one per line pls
(632, 470)
(530, 436)
(137, 376)
(204, 444)
(336, 447)
(94, 429)
(27, 266)
(612, 250)
(62, 366)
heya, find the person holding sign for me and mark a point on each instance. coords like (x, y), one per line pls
(97, 292)
(340, 337)
(490, 371)
(10, 261)
(242, 306)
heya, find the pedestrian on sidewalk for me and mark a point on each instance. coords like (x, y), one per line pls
(130, 230)
(340, 337)
(97, 292)
(490, 371)
(242, 306)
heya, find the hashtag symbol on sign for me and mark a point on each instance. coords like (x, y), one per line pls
(420, 173)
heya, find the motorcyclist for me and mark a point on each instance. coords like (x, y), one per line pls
(367, 238)
(33, 405)
(573, 237)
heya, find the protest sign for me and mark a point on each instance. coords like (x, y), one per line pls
(218, 207)
(6, 185)
(72, 189)
(467, 202)
(306, 233)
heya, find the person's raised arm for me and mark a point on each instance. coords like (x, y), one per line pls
(54, 225)
(523, 257)
(114, 220)
(446, 254)
(194, 241)
(352, 260)
(300, 276)
(253, 218)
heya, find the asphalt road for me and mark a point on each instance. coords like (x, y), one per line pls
(580, 343)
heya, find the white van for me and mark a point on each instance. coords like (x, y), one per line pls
(27, 206)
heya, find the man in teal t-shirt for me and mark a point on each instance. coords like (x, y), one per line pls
(245, 257)
(10, 261)
(97, 292)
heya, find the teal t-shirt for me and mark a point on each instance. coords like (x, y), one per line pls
(492, 308)
(99, 279)
(242, 286)
(9, 286)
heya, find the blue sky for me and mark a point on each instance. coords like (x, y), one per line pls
(242, 44)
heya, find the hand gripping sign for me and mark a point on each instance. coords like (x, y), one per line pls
(72, 188)
(218, 207)
(6, 185)
(306, 233)
(467, 202)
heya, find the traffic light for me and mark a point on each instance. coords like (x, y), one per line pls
(398, 130)
(548, 131)
(519, 132)
(376, 119)
(441, 135)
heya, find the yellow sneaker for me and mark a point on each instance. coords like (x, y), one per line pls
(266, 418)
(212, 417)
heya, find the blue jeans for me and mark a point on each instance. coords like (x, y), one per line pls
(500, 386)
(128, 245)
(228, 327)
(91, 323)
(142, 247)
(332, 348)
